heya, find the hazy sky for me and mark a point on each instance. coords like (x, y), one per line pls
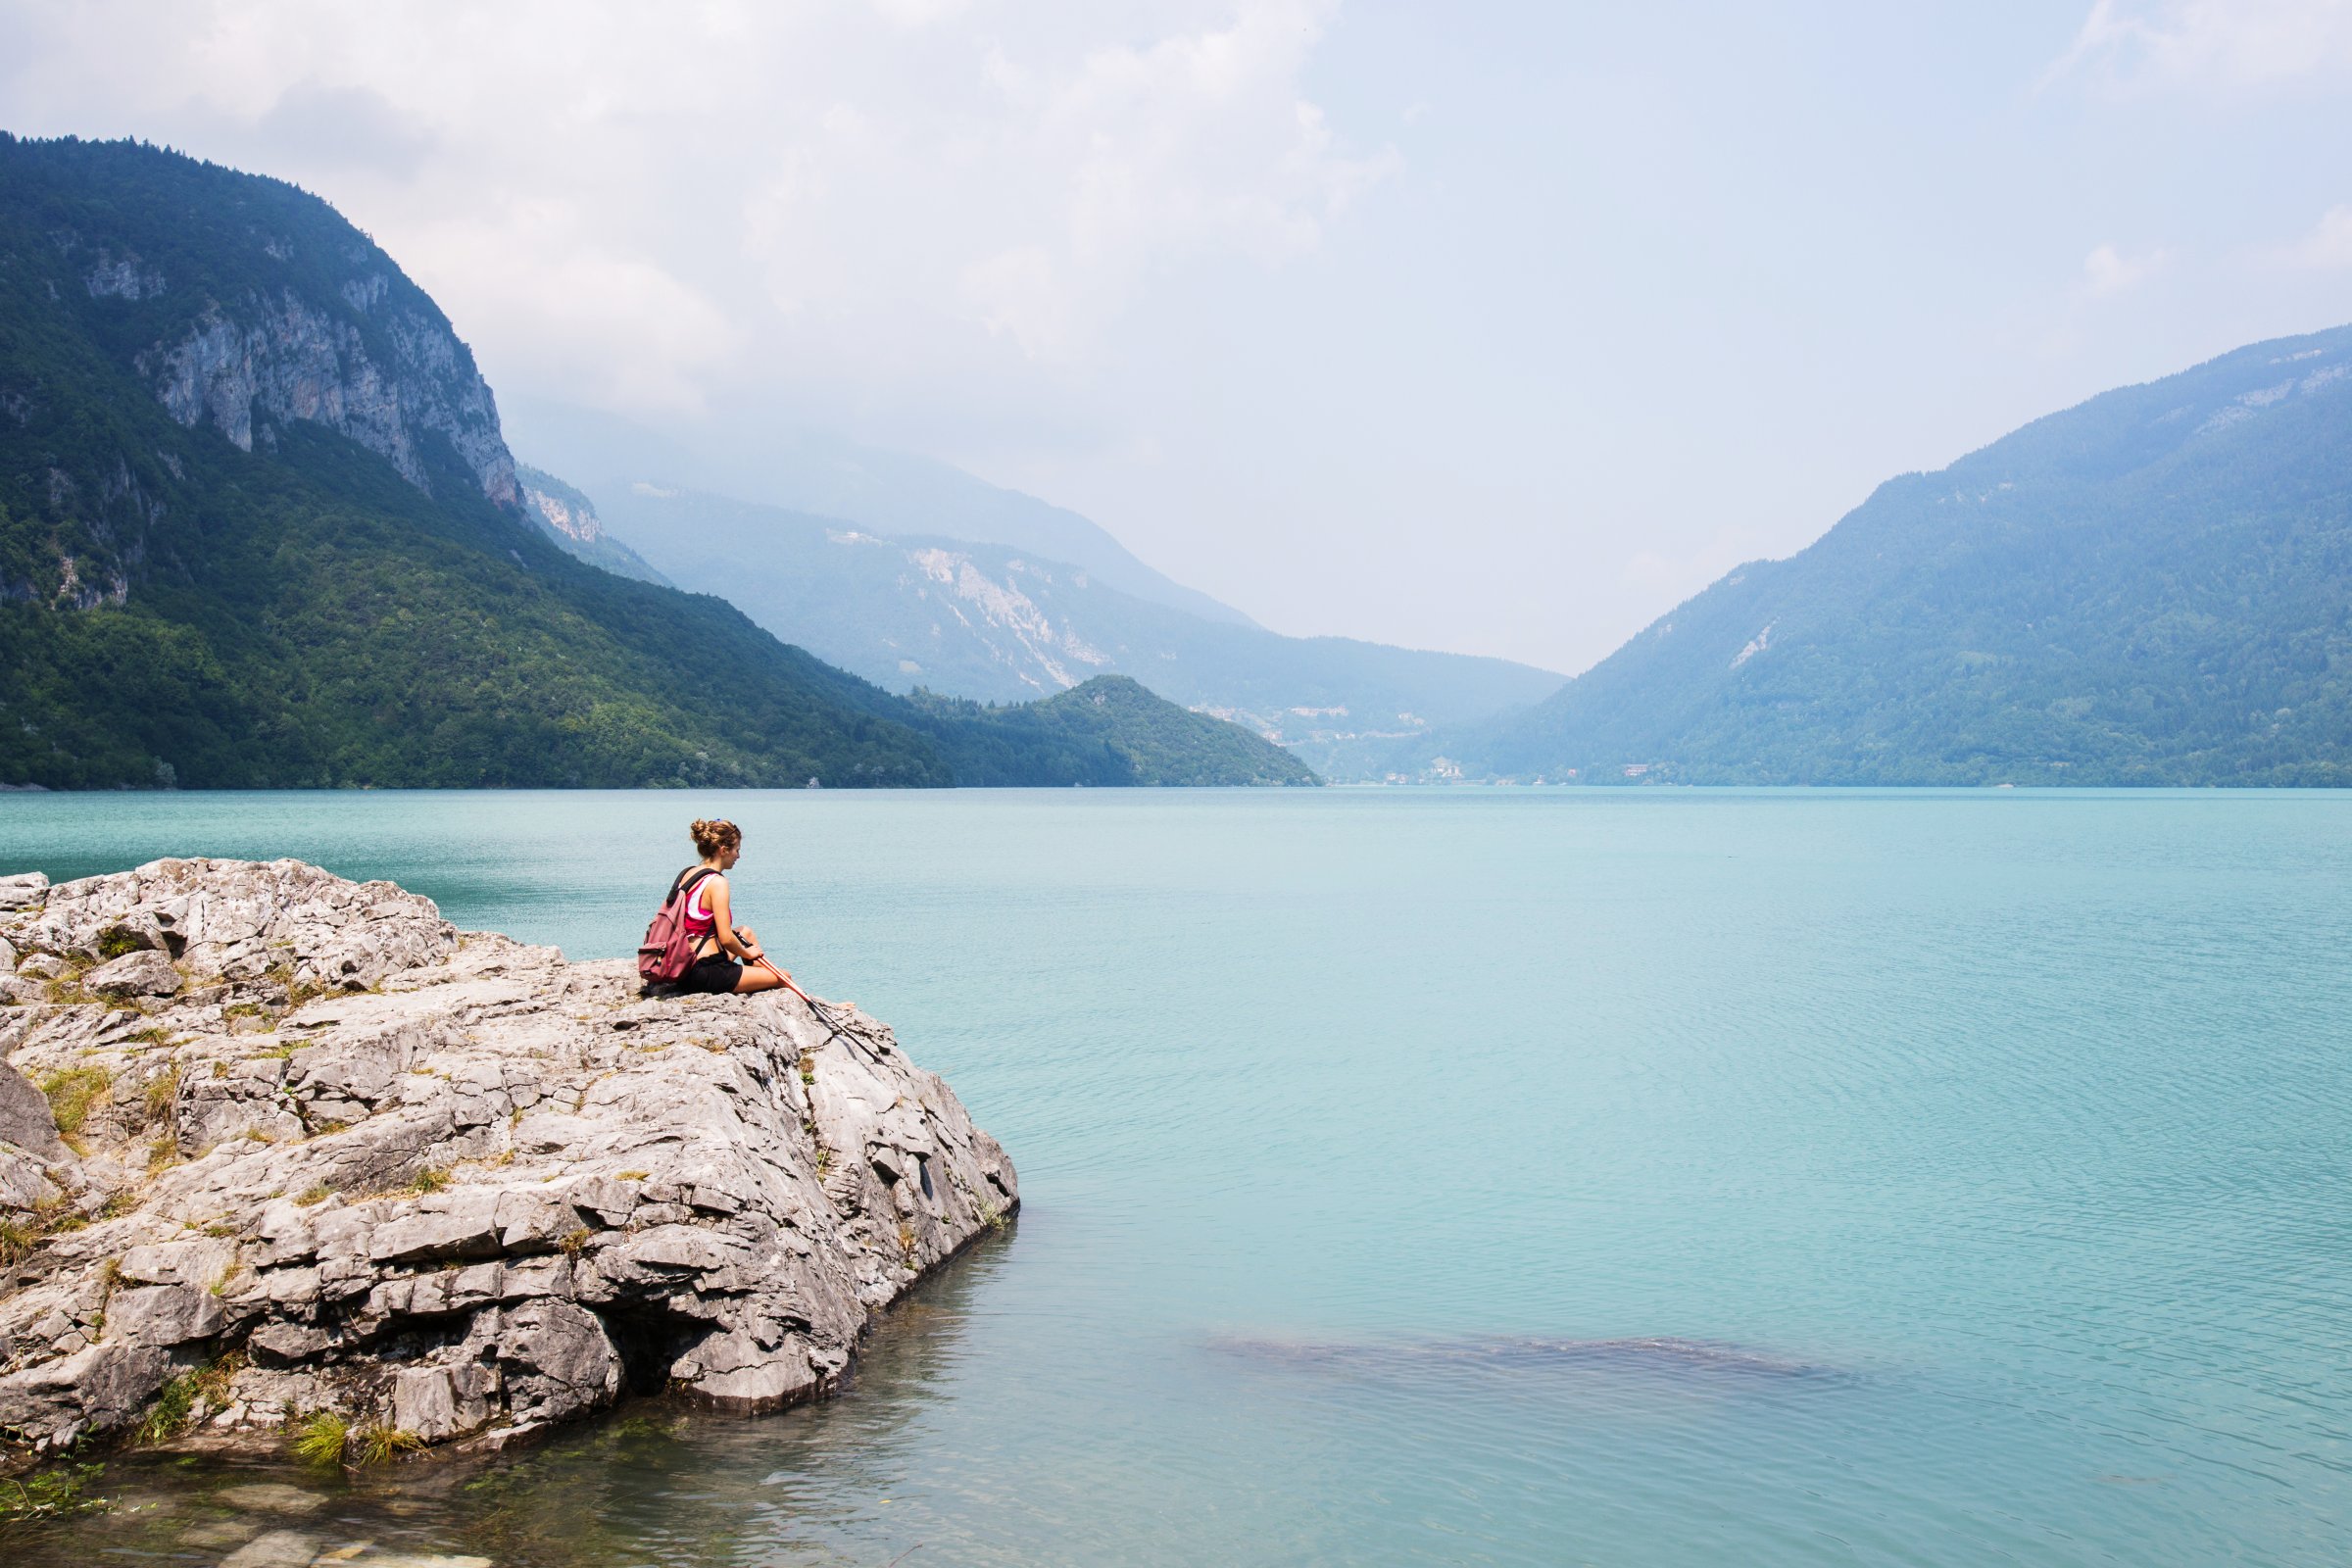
(1497, 328)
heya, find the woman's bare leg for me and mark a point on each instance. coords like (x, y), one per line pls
(756, 977)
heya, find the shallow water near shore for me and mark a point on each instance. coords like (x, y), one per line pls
(1622, 1177)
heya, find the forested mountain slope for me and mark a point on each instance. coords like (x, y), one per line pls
(1112, 731)
(2154, 587)
(259, 526)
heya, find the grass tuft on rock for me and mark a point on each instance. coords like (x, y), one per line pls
(212, 1381)
(320, 1439)
(72, 1092)
(168, 1415)
(381, 1442)
(162, 1094)
(117, 943)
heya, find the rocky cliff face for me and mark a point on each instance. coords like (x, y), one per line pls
(569, 517)
(275, 1146)
(281, 357)
(240, 305)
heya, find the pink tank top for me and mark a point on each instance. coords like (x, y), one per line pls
(699, 921)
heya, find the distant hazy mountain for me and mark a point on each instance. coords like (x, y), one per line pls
(2152, 588)
(811, 471)
(997, 624)
(569, 519)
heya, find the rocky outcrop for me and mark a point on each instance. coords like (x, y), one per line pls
(286, 358)
(569, 519)
(240, 305)
(273, 1143)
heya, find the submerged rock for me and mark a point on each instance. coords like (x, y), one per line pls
(276, 1548)
(285, 1145)
(1515, 1359)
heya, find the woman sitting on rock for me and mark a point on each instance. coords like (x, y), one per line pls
(709, 919)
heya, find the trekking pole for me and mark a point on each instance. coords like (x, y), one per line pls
(823, 1016)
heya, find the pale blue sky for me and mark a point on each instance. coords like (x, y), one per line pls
(1483, 327)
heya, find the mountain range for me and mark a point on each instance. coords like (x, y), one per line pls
(822, 475)
(2154, 587)
(259, 525)
(998, 622)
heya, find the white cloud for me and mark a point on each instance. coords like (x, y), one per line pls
(615, 331)
(2138, 45)
(2327, 246)
(642, 205)
(2108, 271)
(1134, 158)
(912, 14)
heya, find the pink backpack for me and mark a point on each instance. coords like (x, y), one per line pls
(667, 951)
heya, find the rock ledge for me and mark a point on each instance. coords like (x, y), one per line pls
(273, 1143)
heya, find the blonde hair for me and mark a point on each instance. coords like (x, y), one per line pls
(714, 835)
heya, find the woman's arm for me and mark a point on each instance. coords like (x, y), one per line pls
(742, 943)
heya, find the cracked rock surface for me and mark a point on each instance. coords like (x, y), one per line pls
(277, 1144)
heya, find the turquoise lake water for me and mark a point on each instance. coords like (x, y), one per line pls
(1618, 1177)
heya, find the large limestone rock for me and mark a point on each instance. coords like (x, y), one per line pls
(339, 1157)
(290, 358)
(29, 1147)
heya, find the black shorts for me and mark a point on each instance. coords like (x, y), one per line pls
(717, 974)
